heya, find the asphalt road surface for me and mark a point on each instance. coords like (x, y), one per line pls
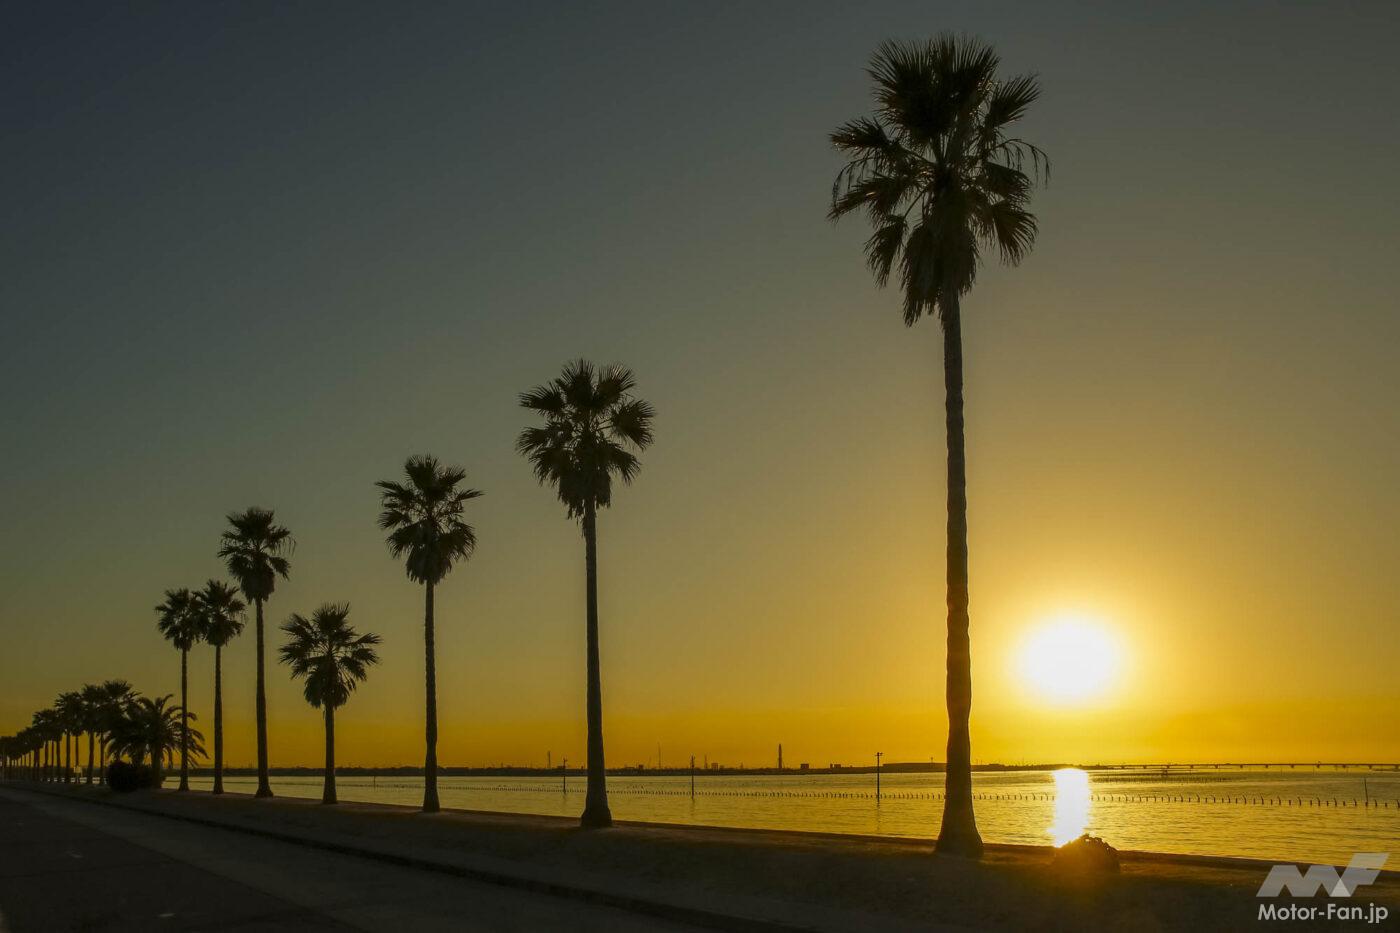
(70, 865)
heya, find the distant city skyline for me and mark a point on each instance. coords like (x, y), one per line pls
(258, 255)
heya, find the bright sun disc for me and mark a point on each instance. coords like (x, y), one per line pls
(1069, 659)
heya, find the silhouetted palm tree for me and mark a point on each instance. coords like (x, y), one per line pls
(222, 613)
(92, 721)
(47, 729)
(424, 521)
(152, 728)
(115, 695)
(69, 707)
(332, 658)
(941, 178)
(255, 550)
(592, 426)
(181, 624)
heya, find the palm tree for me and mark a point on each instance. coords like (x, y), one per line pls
(222, 614)
(255, 550)
(115, 695)
(940, 176)
(92, 721)
(69, 707)
(332, 658)
(182, 625)
(592, 426)
(152, 728)
(424, 519)
(10, 751)
(46, 730)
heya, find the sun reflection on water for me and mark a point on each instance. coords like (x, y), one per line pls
(1071, 805)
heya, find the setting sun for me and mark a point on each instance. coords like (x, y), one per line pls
(1070, 658)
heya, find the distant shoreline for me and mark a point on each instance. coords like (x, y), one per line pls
(898, 767)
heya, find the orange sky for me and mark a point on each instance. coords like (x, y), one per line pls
(1181, 409)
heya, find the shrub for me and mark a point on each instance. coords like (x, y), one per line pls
(1087, 855)
(124, 777)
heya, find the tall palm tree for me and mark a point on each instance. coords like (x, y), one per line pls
(255, 549)
(941, 178)
(222, 620)
(153, 728)
(331, 658)
(92, 721)
(46, 730)
(592, 425)
(181, 624)
(115, 695)
(425, 523)
(69, 707)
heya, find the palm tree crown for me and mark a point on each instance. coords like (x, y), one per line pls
(937, 169)
(69, 707)
(424, 518)
(116, 694)
(221, 612)
(328, 654)
(180, 621)
(592, 426)
(152, 728)
(255, 549)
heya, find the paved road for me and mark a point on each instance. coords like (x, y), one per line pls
(70, 865)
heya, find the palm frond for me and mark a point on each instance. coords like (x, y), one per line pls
(328, 654)
(591, 418)
(936, 170)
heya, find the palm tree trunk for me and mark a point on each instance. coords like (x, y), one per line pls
(958, 834)
(328, 794)
(218, 719)
(102, 760)
(67, 757)
(595, 807)
(92, 741)
(184, 720)
(430, 793)
(264, 788)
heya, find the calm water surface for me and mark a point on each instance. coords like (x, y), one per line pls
(1259, 814)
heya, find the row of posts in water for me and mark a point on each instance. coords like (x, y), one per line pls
(1373, 803)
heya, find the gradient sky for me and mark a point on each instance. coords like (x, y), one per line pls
(258, 254)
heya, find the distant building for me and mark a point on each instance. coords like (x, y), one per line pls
(802, 767)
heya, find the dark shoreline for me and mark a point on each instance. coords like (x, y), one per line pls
(909, 767)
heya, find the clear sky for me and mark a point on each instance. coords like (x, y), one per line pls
(257, 254)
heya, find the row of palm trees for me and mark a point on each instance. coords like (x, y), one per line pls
(115, 719)
(943, 178)
(592, 428)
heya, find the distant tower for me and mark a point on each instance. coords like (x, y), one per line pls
(780, 756)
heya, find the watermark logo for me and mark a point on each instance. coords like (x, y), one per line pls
(1363, 869)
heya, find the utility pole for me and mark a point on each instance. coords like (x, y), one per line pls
(564, 775)
(878, 756)
(780, 756)
(692, 777)
(549, 761)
